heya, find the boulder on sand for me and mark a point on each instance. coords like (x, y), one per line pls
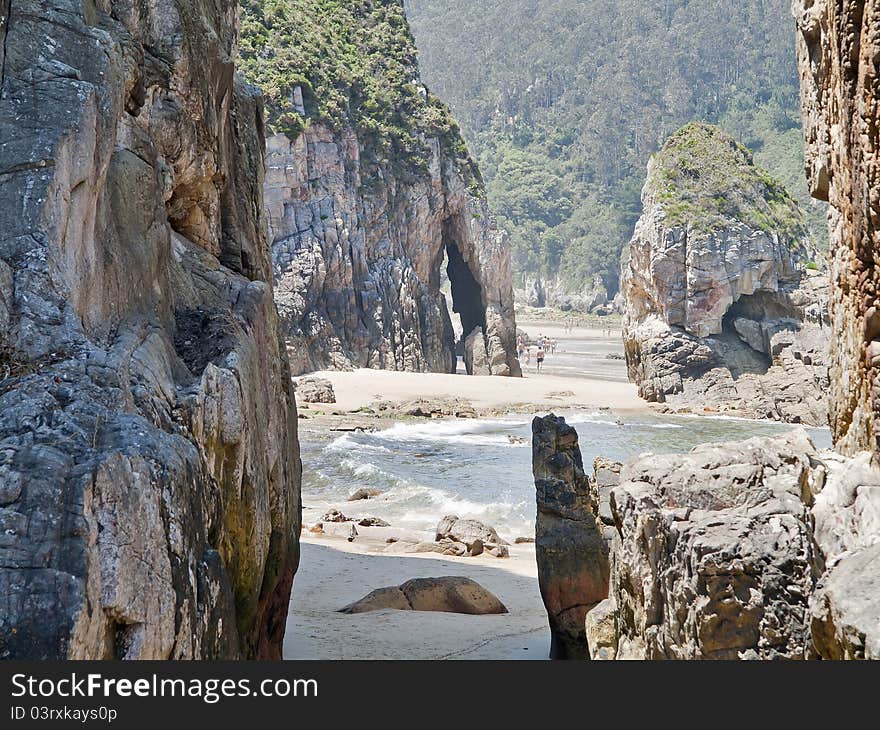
(444, 595)
(452, 527)
(314, 390)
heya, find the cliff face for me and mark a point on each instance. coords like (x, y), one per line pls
(358, 262)
(372, 197)
(840, 82)
(149, 467)
(721, 310)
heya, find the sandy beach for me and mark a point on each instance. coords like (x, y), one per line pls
(361, 387)
(334, 573)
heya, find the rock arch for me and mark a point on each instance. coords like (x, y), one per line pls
(358, 266)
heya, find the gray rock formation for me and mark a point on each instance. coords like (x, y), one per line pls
(453, 528)
(558, 294)
(755, 550)
(570, 546)
(715, 556)
(606, 476)
(722, 312)
(845, 607)
(358, 267)
(445, 595)
(314, 390)
(148, 455)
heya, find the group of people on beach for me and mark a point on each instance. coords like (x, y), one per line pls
(544, 346)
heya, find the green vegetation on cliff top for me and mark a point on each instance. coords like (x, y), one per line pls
(356, 64)
(564, 101)
(704, 178)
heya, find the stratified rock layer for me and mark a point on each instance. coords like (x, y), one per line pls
(721, 311)
(358, 260)
(569, 544)
(149, 468)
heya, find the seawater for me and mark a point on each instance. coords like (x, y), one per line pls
(481, 469)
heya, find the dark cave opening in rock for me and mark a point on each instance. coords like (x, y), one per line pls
(747, 329)
(467, 294)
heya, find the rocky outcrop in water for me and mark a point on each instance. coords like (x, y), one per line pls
(149, 467)
(722, 309)
(569, 543)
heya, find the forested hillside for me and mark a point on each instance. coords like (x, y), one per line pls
(355, 64)
(563, 101)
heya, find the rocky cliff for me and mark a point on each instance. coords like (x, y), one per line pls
(838, 61)
(722, 311)
(769, 548)
(373, 202)
(764, 549)
(149, 467)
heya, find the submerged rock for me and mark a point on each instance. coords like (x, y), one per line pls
(572, 554)
(372, 522)
(722, 309)
(445, 595)
(364, 494)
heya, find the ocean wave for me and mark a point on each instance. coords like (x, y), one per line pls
(474, 432)
(347, 444)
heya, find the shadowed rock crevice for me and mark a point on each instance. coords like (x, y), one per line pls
(467, 295)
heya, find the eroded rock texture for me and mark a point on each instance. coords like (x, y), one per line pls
(149, 468)
(840, 79)
(762, 549)
(358, 261)
(721, 309)
(840, 83)
(569, 543)
(714, 556)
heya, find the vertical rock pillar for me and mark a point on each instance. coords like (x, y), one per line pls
(573, 568)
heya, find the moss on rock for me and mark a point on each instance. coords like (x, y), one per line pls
(355, 64)
(703, 178)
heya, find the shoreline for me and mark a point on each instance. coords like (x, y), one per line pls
(334, 573)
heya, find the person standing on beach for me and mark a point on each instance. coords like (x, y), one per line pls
(540, 355)
(528, 355)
